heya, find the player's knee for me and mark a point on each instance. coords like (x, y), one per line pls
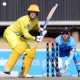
(20, 47)
(31, 53)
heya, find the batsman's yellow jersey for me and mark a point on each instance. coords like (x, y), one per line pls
(20, 27)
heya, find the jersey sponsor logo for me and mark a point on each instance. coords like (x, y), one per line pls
(28, 26)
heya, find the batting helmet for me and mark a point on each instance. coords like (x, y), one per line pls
(34, 8)
(65, 30)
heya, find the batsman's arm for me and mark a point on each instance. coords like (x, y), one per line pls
(25, 32)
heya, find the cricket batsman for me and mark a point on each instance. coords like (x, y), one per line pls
(67, 48)
(17, 35)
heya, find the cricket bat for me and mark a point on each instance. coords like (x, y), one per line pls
(49, 16)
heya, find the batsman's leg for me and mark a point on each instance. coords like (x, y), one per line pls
(16, 53)
(29, 56)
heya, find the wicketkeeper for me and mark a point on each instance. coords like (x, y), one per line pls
(67, 48)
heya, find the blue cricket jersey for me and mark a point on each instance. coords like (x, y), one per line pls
(64, 48)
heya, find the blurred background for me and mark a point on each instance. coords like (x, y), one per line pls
(67, 14)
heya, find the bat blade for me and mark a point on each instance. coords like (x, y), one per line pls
(50, 15)
(52, 11)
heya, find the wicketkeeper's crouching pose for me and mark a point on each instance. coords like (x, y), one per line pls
(17, 34)
(67, 48)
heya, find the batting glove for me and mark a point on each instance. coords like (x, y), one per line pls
(43, 33)
(39, 38)
(41, 30)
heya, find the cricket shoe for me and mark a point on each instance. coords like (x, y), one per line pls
(7, 72)
(3, 74)
(28, 76)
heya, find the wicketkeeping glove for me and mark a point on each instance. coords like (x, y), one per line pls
(66, 64)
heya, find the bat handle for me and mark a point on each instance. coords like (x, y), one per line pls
(45, 24)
